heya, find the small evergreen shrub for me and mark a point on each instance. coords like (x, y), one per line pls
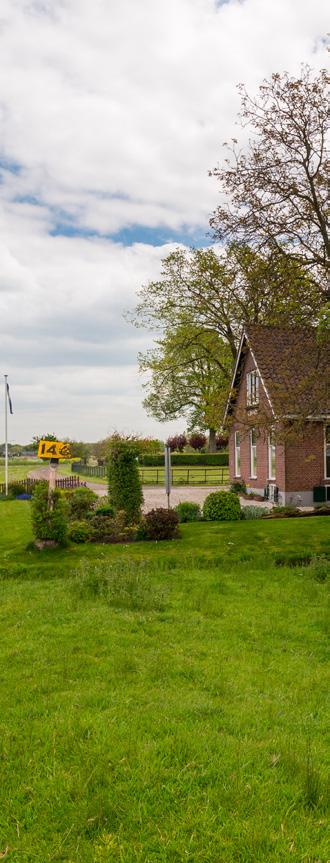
(80, 531)
(125, 489)
(222, 506)
(105, 510)
(238, 486)
(49, 524)
(188, 511)
(252, 512)
(107, 530)
(15, 488)
(81, 502)
(159, 524)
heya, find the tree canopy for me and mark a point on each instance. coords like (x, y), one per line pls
(274, 193)
(190, 373)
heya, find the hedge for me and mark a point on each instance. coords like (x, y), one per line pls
(186, 458)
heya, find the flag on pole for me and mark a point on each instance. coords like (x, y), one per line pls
(9, 400)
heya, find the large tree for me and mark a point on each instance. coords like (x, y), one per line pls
(190, 374)
(199, 306)
(218, 291)
(274, 192)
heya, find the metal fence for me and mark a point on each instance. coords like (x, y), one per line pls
(186, 476)
(27, 485)
(89, 470)
(155, 475)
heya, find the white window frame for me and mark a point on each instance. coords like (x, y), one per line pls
(252, 388)
(326, 445)
(271, 452)
(253, 455)
(237, 453)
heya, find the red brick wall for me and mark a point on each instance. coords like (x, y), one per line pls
(299, 465)
(304, 462)
(262, 477)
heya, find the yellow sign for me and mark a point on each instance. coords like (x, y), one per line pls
(53, 449)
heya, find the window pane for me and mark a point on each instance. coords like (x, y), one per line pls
(327, 451)
(237, 454)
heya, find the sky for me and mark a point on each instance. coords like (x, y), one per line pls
(111, 116)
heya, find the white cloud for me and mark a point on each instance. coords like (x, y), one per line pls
(111, 115)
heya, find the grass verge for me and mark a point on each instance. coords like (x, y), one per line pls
(164, 702)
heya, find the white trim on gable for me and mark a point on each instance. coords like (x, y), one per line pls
(243, 338)
(234, 375)
(261, 378)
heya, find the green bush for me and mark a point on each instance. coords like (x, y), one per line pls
(105, 510)
(285, 511)
(159, 524)
(107, 530)
(252, 512)
(15, 488)
(125, 490)
(212, 459)
(80, 531)
(49, 524)
(81, 502)
(222, 506)
(238, 486)
(188, 511)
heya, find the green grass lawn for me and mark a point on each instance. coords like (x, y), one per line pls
(19, 469)
(178, 716)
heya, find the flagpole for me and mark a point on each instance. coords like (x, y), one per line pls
(6, 436)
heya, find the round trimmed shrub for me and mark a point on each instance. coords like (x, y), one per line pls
(106, 510)
(238, 486)
(188, 511)
(80, 531)
(222, 506)
(81, 502)
(160, 524)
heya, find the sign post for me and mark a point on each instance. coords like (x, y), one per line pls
(168, 476)
(54, 450)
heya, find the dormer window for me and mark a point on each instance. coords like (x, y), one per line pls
(252, 386)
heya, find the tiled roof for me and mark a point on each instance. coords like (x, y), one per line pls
(294, 367)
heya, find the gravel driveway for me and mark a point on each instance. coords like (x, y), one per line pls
(155, 496)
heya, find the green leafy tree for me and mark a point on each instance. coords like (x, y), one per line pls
(190, 374)
(218, 291)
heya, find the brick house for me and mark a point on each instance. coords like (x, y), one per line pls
(278, 412)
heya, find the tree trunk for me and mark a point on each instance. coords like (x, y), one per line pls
(212, 447)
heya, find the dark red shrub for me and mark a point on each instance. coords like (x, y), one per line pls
(160, 524)
(197, 440)
(221, 441)
(177, 442)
